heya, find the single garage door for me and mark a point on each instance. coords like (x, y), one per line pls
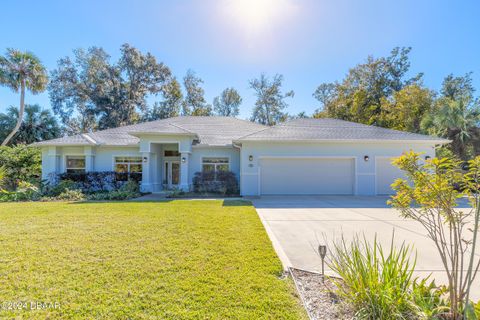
(385, 175)
(307, 176)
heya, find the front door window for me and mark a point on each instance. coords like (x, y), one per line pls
(172, 173)
(175, 173)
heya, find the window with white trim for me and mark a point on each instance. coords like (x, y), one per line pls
(215, 165)
(128, 164)
(128, 168)
(75, 164)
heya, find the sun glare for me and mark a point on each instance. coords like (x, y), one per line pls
(255, 16)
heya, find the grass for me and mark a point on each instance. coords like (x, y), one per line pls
(151, 260)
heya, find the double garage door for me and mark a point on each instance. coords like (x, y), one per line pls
(307, 176)
(316, 176)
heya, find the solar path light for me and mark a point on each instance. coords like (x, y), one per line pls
(322, 251)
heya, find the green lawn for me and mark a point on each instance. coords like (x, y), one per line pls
(151, 260)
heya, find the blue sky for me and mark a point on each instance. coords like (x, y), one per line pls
(229, 42)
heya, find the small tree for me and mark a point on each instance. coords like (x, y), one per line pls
(431, 197)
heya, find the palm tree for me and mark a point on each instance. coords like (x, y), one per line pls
(457, 120)
(20, 71)
(37, 125)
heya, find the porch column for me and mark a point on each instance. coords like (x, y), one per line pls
(184, 163)
(89, 159)
(50, 163)
(146, 185)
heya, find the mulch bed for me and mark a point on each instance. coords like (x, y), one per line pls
(319, 297)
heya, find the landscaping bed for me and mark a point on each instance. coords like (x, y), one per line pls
(319, 296)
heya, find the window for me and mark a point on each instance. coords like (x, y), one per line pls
(128, 167)
(75, 164)
(215, 165)
(171, 153)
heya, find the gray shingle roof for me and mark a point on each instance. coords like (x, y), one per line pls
(332, 129)
(219, 131)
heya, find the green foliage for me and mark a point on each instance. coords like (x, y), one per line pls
(171, 104)
(270, 104)
(195, 103)
(430, 196)
(360, 95)
(21, 71)
(378, 92)
(3, 175)
(159, 260)
(429, 299)
(25, 192)
(59, 188)
(456, 116)
(129, 190)
(405, 109)
(21, 163)
(67, 195)
(89, 92)
(376, 283)
(228, 103)
(223, 182)
(37, 125)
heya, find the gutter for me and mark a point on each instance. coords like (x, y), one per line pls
(443, 141)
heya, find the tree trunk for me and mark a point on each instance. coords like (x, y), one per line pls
(20, 115)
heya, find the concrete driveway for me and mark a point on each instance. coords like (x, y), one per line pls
(298, 224)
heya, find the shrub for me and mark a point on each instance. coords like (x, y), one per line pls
(25, 192)
(70, 195)
(225, 182)
(430, 197)
(131, 186)
(21, 163)
(129, 190)
(3, 174)
(99, 181)
(376, 283)
(50, 190)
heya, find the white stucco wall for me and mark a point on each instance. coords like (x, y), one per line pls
(102, 158)
(54, 159)
(364, 170)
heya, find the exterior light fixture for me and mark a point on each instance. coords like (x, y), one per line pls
(366, 158)
(322, 251)
(427, 157)
(145, 159)
(250, 158)
(184, 159)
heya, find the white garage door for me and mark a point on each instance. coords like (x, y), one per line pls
(307, 176)
(386, 174)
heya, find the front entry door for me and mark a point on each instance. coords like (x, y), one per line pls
(172, 173)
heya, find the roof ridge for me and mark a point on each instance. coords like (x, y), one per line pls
(261, 130)
(88, 138)
(179, 127)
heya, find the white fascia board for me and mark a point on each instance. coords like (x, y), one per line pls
(346, 141)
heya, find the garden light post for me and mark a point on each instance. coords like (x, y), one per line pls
(322, 251)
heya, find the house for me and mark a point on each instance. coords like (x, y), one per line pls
(301, 156)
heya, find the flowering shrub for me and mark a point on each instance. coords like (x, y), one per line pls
(224, 182)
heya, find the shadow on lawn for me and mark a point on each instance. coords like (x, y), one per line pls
(236, 203)
(225, 202)
(120, 201)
